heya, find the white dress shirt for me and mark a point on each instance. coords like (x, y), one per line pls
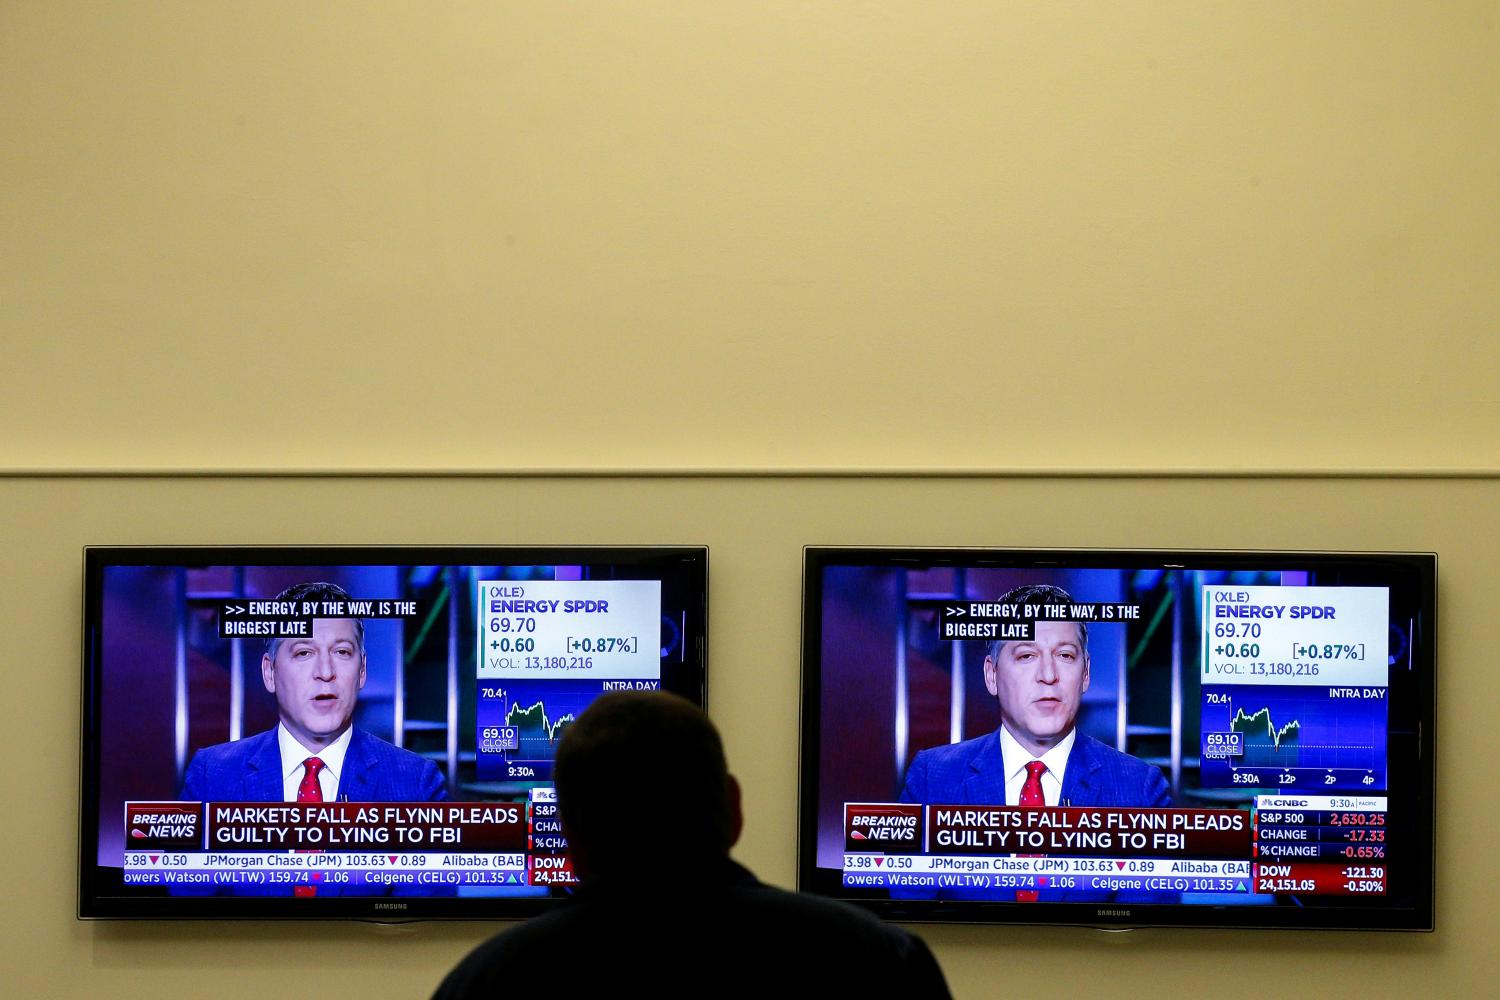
(1016, 757)
(294, 753)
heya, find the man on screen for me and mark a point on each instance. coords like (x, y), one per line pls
(1037, 756)
(314, 754)
(651, 812)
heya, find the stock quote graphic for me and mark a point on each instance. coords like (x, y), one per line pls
(520, 723)
(534, 639)
(1295, 688)
(1295, 737)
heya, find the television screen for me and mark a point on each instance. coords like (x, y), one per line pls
(1120, 737)
(355, 732)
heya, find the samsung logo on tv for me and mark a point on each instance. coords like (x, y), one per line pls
(390, 906)
(1109, 913)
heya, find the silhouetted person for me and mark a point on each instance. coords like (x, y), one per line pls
(650, 812)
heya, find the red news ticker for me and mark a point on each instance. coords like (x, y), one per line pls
(550, 869)
(358, 826)
(1353, 879)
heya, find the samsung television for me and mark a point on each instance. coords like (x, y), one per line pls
(1120, 738)
(356, 732)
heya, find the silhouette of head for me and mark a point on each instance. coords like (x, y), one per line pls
(641, 778)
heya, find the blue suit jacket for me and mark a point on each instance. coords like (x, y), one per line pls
(249, 770)
(973, 773)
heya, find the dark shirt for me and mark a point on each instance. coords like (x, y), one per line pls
(726, 935)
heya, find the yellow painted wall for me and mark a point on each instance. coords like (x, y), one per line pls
(551, 234)
(965, 235)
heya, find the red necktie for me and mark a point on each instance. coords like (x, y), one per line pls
(309, 791)
(1031, 795)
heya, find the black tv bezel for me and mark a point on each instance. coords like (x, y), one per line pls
(1421, 567)
(93, 905)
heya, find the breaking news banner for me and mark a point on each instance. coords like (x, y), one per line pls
(992, 620)
(890, 827)
(163, 825)
(243, 618)
(327, 826)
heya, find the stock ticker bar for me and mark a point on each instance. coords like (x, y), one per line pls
(549, 864)
(350, 870)
(1322, 845)
(1321, 879)
(1089, 874)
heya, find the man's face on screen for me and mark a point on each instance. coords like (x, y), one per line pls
(316, 681)
(1040, 683)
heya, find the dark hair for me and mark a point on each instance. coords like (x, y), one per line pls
(641, 775)
(316, 591)
(1038, 593)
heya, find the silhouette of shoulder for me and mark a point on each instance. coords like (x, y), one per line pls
(729, 935)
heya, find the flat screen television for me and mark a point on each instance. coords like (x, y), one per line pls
(355, 732)
(1120, 738)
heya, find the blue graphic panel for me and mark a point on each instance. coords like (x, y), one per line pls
(521, 720)
(1294, 738)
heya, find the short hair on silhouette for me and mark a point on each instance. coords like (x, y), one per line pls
(641, 774)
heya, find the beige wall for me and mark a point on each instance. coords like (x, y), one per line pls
(972, 235)
(755, 529)
(505, 235)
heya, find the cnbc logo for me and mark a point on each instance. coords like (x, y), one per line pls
(883, 827)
